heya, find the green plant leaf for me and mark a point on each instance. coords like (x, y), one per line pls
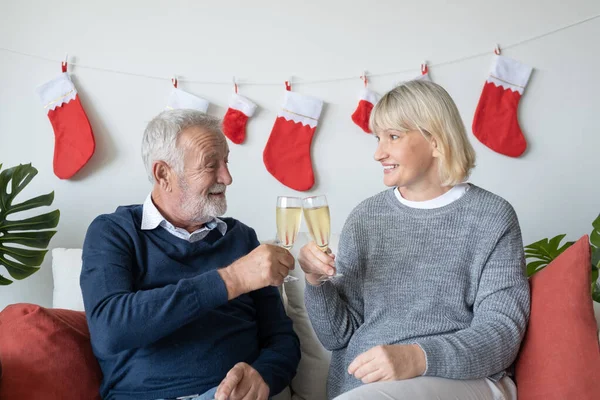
(596, 256)
(542, 247)
(596, 223)
(43, 200)
(552, 247)
(17, 270)
(547, 249)
(595, 238)
(596, 292)
(555, 242)
(39, 240)
(544, 252)
(18, 177)
(33, 258)
(537, 256)
(595, 235)
(537, 245)
(535, 266)
(23, 242)
(564, 247)
(594, 276)
(44, 221)
(3, 280)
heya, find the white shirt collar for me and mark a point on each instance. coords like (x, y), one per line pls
(451, 195)
(152, 218)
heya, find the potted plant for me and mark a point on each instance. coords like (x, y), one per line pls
(544, 251)
(23, 242)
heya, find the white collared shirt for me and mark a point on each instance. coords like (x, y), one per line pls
(451, 195)
(152, 218)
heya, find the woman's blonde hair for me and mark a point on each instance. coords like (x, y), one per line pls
(425, 106)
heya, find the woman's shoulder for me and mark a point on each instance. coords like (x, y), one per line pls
(372, 205)
(490, 204)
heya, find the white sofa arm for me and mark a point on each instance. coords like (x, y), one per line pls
(66, 268)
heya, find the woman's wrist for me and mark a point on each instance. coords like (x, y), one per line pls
(419, 360)
(314, 279)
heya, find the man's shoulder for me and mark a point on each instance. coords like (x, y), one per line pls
(235, 226)
(125, 217)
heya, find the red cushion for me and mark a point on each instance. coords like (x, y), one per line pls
(560, 355)
(46, 354)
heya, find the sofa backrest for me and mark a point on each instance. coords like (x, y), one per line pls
(311, 379)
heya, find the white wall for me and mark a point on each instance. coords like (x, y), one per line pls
(554, 186)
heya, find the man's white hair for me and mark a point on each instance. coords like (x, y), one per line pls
(161, 135)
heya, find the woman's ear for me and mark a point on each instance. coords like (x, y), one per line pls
(435, 152)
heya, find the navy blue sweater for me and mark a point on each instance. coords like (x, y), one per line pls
(160, 322)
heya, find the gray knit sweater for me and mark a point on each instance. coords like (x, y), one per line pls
(450, 279)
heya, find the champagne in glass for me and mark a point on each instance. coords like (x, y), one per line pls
(319, 223)
(316, 214)
(288, 216)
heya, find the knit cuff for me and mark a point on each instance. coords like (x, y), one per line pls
(315, 299)
(434, 357)
(266, 373)
(210, 290)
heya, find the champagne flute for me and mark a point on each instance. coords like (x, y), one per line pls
(288, 216)
(316, 214)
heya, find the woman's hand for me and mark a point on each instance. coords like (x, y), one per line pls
(389, 363)
(315, 263)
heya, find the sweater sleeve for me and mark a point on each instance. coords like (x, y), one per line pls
(500, 315)
(280, 347)
(120, 317)
(335, 308)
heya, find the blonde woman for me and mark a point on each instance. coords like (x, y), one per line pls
(433, 302)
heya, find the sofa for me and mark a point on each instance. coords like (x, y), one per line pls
(62, 341)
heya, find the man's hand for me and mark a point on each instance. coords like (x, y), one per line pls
(242, 383)
(267, 265)
(315, 263)
(389, 363)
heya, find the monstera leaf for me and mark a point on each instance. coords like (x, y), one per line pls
(595, 242)
(543, 252)
(23, 242)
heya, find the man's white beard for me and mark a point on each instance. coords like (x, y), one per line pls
(202, 209)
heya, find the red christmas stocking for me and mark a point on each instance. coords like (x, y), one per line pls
(73, 137)
(287, 153)
(361, 115)
(236, 117)
(495, 123)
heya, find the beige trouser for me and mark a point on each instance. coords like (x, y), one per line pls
(432, 388)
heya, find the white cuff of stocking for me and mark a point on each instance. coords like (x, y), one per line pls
(242, 104)
(300, 108)
(369, 96)
(57, 92)
(423, 77)
(181, 99)
(509, 73)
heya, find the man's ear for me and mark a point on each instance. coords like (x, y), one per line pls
(163, 175)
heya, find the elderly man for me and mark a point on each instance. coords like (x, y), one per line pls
(182, 304)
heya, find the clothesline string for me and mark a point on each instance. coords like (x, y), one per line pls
(302, 82)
